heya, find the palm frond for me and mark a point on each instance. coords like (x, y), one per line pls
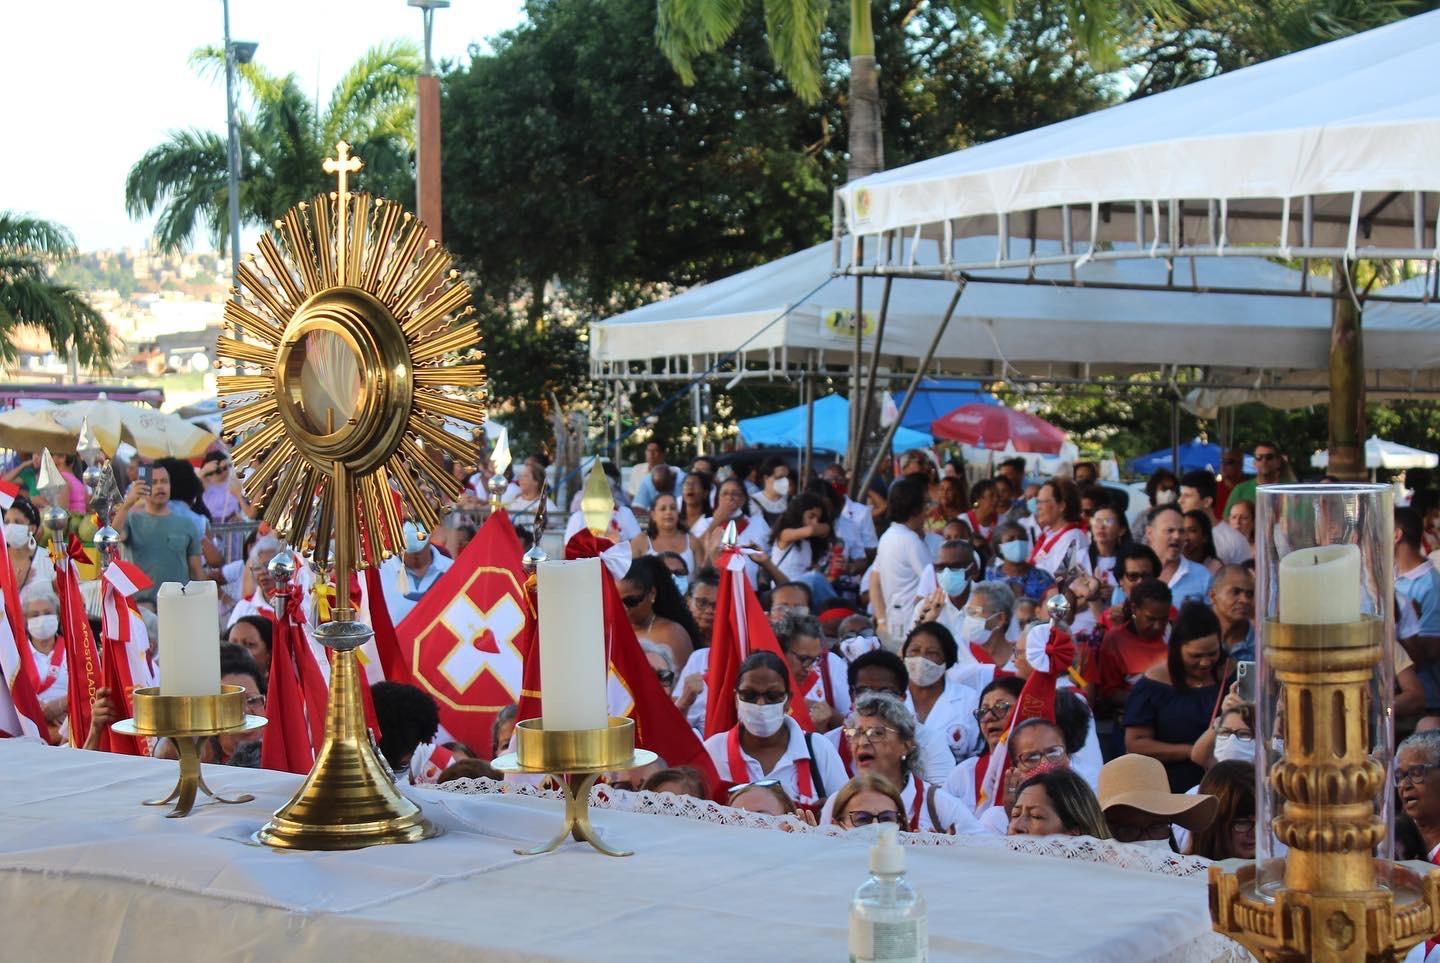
(31, 235)
(68, 320)
(209, 62)
(381, 79)
(182, 175)
(685, 29)
(792, 29)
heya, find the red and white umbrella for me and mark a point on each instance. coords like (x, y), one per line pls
(995, 426)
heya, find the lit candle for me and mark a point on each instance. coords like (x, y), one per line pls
(572, 645)
(189, 617)
(1320, 586)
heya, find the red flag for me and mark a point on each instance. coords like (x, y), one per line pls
(387, 646)
(465, 639)
(125, 656)
(741, 628)
(82, 660)
(634, 691)
(1050, 655)
(292, 734)
(20, 711)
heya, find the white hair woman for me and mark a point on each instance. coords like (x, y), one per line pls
(881, 734)
(41, 607)
(256, 584)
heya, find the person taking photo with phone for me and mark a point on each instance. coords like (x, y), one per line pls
(164, 545)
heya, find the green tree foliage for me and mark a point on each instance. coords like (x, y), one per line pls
(284, 137)
(29, 249)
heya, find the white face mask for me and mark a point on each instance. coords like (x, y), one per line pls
(43, 626)
(973, 630)
(760, 720)
(782, 486)
(1165, 497)
(1230, 747)
(17, 534)
(922, 671)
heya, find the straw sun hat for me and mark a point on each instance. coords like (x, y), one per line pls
(1139, 783)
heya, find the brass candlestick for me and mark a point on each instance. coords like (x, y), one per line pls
(185, 721)
(1324, 555)
(576, 757)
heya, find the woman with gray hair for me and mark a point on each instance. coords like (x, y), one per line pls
(985, 627)
(662, 660)
(880, 738)
(1417, 782)
(41, 607)
(256, 584)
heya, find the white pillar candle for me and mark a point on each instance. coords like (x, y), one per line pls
(572, 645)
(1320, 586)
(189, 617)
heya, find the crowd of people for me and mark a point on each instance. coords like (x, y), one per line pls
(906, 620)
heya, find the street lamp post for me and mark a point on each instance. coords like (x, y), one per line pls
(235, 52)
(427, 140)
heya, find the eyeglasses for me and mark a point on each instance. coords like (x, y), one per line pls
(1105, 522)
(757, 784)
(760, 698)
(859, 817)
(997, 710)
(1416, 774)
(254, 702)
(704, 605)
(807, 662)
(1132, 576)
(666, 677)
(630, 601)
(1244, 735)
(1135, 833)
(1243, 825)
(868, 733)
(1050, 754)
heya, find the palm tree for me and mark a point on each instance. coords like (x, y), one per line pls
(283, 141)
(29, 249)
(687, 29)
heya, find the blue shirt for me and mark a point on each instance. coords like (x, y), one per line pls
(1191, 581)
(645, 497)
(1421, 587)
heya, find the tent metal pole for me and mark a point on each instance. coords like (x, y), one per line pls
(1175, 434)
(807, 464)
(866, 403)
(859, 321)
(915, 379)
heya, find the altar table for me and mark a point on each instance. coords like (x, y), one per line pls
(88, 874)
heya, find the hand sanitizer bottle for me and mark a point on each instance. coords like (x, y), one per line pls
(887, 916)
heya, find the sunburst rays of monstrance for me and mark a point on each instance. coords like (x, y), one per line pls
(349, 354)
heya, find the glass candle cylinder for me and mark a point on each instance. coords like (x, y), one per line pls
(1325, 604)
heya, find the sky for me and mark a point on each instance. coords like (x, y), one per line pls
(87, 86)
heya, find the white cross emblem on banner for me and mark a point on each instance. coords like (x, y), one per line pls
(468, 659)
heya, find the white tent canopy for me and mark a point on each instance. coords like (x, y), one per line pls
(1380, 453)
(793, 311)
(1323, 153)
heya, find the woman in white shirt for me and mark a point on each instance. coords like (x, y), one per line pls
(28, 560)
(1063, 543)
(881, 734)
(901, 559)
(942, 704)
(767, 744)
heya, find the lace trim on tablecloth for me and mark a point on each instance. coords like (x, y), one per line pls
(1084, 848)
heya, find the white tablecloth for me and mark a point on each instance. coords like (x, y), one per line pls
(86, 873)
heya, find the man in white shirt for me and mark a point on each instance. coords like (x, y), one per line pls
(654, 455)
(406, 577)
(956, 569)
(1197, 491)
(901, 559)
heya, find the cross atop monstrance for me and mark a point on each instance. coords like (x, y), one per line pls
(342, 165)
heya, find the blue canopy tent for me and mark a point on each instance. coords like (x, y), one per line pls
(937, 397)
(786, 429)
(1194, 455)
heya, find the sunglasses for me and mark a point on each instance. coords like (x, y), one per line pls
(757, 784)
(996, 711)
(666, 677)
(859, 817)
(630, 601)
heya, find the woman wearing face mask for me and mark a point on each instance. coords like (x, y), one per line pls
(993, 715)
(665, 534)
(1231, 737)
(984, 629)
(774, 493)
(655, 608)
(767, 744)
(941, 704)
(28, 559)
(1170, 707)
(41, 607)
(1163, 487)
(881, 736)
(1012, 563)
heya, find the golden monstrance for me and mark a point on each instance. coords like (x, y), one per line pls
(348, 358)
